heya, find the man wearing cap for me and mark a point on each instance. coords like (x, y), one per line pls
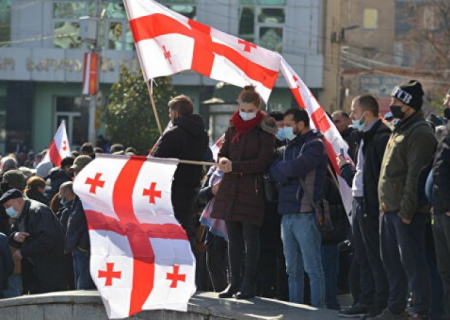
(441, 207)
(77, 235)
(13, 179)
(40, 238)
(404, 211)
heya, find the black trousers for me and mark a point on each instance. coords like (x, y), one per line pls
(366, 238)
(243, 250)
(217, 262)
(403, 254)
(441, 233)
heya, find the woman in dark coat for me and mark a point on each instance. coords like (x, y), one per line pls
(246, 154)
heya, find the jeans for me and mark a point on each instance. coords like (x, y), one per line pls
(441, 233)
(83, 280)
(301, 242)
(14, 286)
(403, 255)
(330, 258)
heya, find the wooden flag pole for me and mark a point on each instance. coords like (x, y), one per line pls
(198, 163)
(152, 101)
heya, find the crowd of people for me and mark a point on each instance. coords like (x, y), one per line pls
(267, 218)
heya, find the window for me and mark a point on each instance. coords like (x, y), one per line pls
(116, 28)
(262, 25)
(185, 7)
(5, 23)
(430, 18)
(2, 123)
(68, 110)
(370, 18)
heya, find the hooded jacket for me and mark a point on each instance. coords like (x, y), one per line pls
(55, 179)
(186, 140)
(441, 174)
(305, 157)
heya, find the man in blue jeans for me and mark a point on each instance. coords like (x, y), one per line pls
(303, 162)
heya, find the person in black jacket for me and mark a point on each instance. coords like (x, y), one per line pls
(40, 238)
(77, 234)
(186, 140)
(342, 121)
(6, 263)
(441, 209)
(365, 213)
(58, 176)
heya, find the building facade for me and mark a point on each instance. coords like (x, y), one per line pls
(41, 58)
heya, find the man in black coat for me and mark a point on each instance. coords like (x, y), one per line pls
(40, 237)
(441, 208)
(363, 179)
(58, 176)
(342, 121)
(186, 140)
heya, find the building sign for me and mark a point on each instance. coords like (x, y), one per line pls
(378, 85)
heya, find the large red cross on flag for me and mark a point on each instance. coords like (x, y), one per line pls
(321, 122)
(141, 258)
(167, 43)
(59, 148)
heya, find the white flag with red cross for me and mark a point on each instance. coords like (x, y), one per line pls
(59, 148)
(141, 258)
(321, 122)
(167, 43)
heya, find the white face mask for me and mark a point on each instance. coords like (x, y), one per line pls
(247, 115)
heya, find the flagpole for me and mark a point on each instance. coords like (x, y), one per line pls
(198, 163)
(152, 101)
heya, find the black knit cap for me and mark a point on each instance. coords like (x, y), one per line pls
(409, 93)
(10, 194)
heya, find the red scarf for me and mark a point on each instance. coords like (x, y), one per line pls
(243, 127)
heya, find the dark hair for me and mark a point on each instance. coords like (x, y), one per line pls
(298, 115)
(99, 150)
(277, 115)
(342, 113)
(87, 147)
(368, 103)
(249, 95)
(182, 104)
(116, 148)
(67, 161)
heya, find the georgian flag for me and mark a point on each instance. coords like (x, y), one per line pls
(167, 43)
(59, 148)
(321, 122)
(141, 258)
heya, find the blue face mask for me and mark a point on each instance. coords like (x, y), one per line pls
(289, 133)
(247, 115)
(358, 124)
(12, 212)
(281, 134)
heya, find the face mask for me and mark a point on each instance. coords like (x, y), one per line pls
(447, 113)
(289, 132)
(11, 212)
(247, 115)
(4, 186)
(359, 124)
(64, 202)
(397, 112)
(281, 134)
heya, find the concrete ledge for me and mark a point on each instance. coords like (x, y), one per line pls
(87, 305)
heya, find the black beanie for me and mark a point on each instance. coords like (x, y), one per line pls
(409, 93)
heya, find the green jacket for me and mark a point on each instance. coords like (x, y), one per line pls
(409, 151)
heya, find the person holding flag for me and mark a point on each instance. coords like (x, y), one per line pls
(245, 155)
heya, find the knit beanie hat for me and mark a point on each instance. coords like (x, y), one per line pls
(16, 179)
(409, 93)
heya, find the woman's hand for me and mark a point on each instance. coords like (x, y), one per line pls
(215, 188)
(341, 161)
(225, 165)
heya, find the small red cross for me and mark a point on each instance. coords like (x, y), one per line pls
(167, 54)
(96, 182)
(296, 79)
(64, 145)
(109, 274)
(152, 193)
(248, 45)
(175, 277)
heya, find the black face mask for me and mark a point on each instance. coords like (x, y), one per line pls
(4, 186)
(447, 113)
(397, 112)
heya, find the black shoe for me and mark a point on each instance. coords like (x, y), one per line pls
(245, 295)
(373, 313)
(356, 311)
(229, 292)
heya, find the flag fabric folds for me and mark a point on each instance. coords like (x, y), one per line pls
(141, 258)
(321, 122)
(167, 43)
(59, 148)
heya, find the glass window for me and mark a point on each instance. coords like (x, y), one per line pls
(72, 10)
(115, 11)
(247, 24)
(271, 38)
(72, 113)
(271, 15)
(67, 35)
(5, 23)
(370, 18)
(165, 2)
(264, 2)
(115, 38)
(186, 10)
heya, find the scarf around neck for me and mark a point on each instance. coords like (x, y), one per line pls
(243, 127)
